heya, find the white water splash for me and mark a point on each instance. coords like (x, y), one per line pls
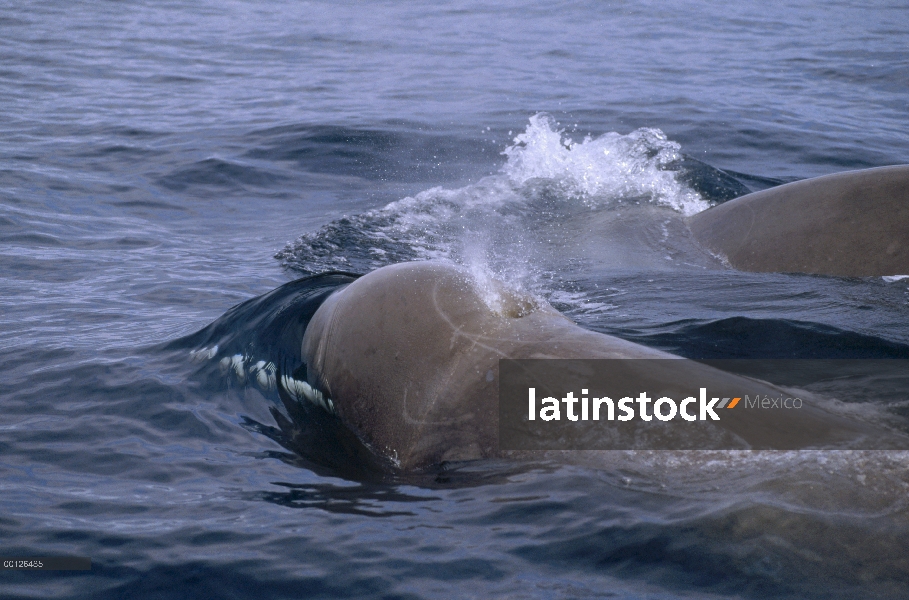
(611, 165)
(489, 226)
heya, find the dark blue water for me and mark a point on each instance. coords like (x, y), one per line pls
(163, 162)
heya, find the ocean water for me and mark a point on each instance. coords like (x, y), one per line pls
(162, 162)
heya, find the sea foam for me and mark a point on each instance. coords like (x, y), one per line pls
(546, 177)
(607, 167)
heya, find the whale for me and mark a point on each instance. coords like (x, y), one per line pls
(408, 358)
(850, 224)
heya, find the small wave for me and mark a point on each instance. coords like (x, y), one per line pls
(220, 173)
(744, 337)
(406, 152)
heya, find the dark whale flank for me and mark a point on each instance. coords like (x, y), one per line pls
(848, 224)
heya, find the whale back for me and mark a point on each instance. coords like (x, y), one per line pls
(410, 353)
(848, 224)
(408, 356)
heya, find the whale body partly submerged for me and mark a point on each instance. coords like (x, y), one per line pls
(408, 358)
(852, 224)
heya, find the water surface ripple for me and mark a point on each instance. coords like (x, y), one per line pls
(156, 157)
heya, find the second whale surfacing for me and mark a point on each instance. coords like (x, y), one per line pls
(852, 224)
(409, 355)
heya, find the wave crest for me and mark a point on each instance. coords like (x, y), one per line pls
(609, 166)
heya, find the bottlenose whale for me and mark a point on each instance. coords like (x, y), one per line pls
(853, 224)
(407, 357)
